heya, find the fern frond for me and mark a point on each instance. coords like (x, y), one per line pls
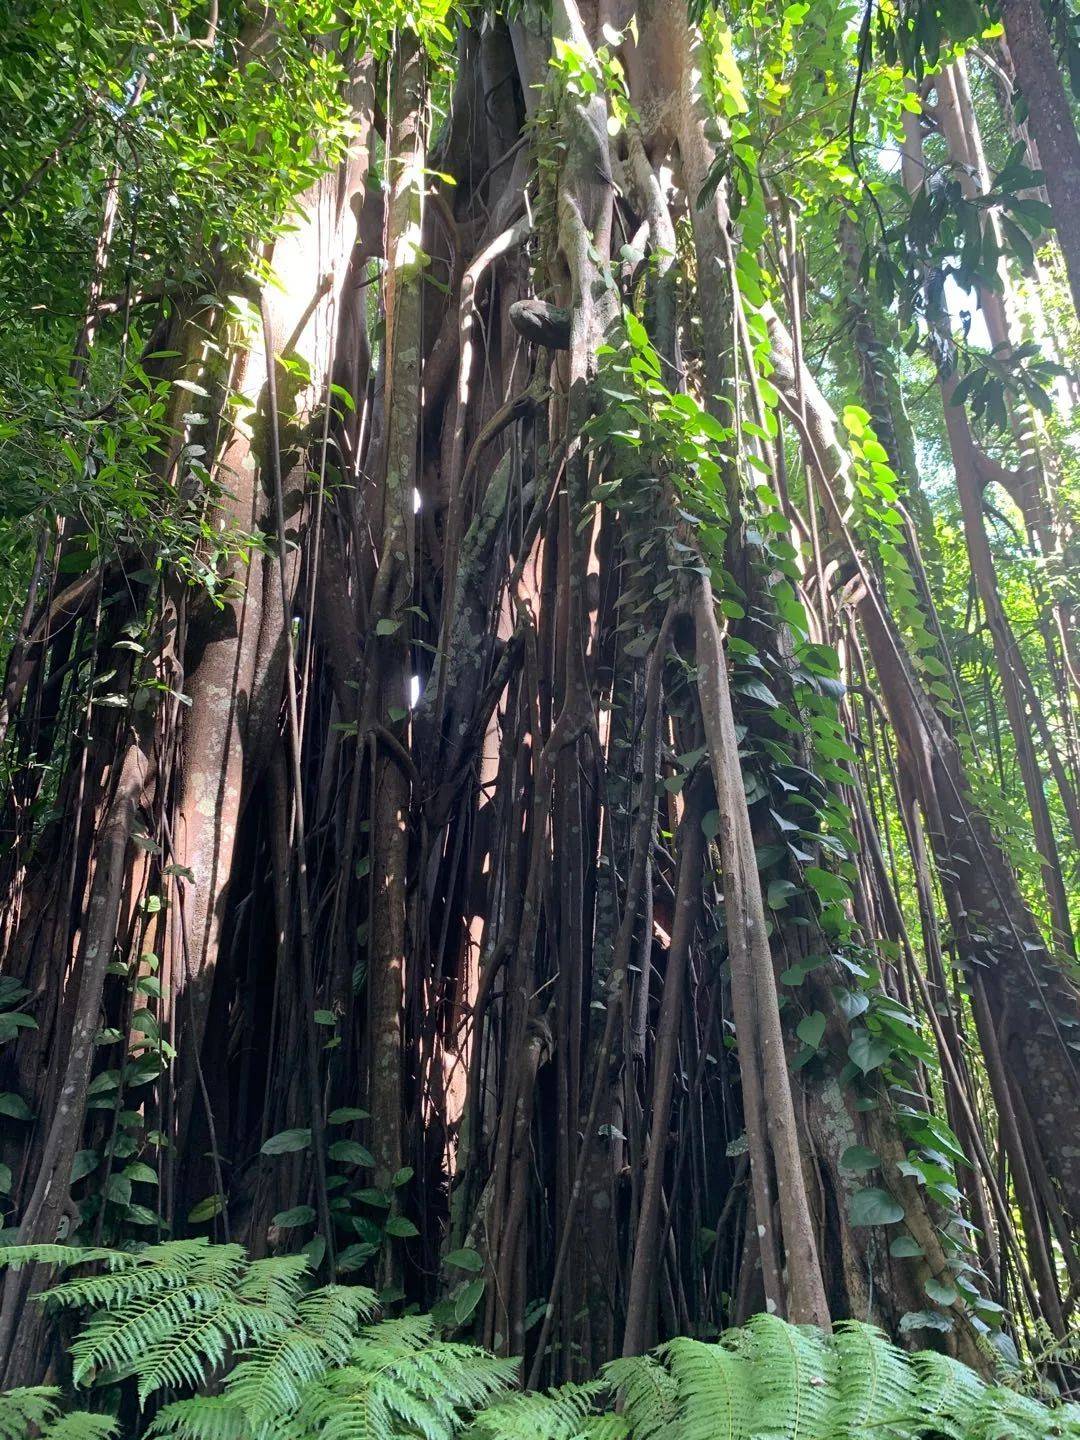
(394, 1338)
(276, 1280)
(874, 1382)
(715, 1391)
(205, 1417)
(559, 1414)
(945, 1397)
(14, 1257)
(348, 1405)
(35, 1409)
(168, 1266)
(271, 1380)
(81, 1425)
(200, 1341)
(179, 1311)
(793, 1377)
(1005, 1415)
(650, 1395)
(398, 1380)
(606, 1427)
(333, 1313)
(21, 1409)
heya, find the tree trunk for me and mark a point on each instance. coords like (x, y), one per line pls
(1051, 122)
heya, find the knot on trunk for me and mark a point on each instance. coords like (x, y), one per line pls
(541, 323)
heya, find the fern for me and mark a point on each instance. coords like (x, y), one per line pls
(400, 1379)
(650, 1395)
(874, 1380)
(36, 1410)
(785, 1382)
(21, 1409)
(176, 1311)
(81, 1425)
(14, 1257)
(715, 1391)
(560, 1414)
(285, 1362)
(606, 1427)
(270, 1378)
(202, 1417)
(945, 1397)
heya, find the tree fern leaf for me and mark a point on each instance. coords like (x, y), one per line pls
(945, 1397)
(650, 1395)
(874, 1382)
(271, 1380)
(559, 1414)
(26, 1407)
(135, 1334)
(13, 1257)
(399, 1337)
(606, 1427)
(334, 1312)
(201, 1342)
(793, 1377)
(276, 1280)
(81, 1425)
(1005, 1415)
(346, 1405)
(715, 1393)
(205, 1417)
(433, 1418)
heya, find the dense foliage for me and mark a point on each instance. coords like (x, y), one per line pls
(272, 1359)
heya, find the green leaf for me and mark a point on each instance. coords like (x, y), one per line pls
(290, 1219)
(85, 1162)
(867, 1051)
(924, 1320)
(285, 1142)
(853, 1003)
(141, 1172)
(906, 1247)
(467, 1301)
(206, 1209)
(345, 1115)
(811, 1029)
(779, 893)
(859, 1159)
(315, 1249)
(825, 884)
(874, 1207)
(118, 1190)
(942, 1291)
(353, 1256)
(372, 1196)
(350, 1152)
(15, 1106)
(758, 690)
(400, 1226)
(140, 1215)
(465, 1260)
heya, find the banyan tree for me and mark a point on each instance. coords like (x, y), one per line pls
(540, 752)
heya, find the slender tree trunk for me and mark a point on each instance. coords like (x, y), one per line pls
(1051, 122)
(996, 934)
